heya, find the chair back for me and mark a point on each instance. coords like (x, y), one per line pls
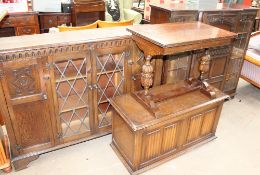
(128, 4)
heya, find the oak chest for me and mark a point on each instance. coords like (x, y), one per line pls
(147, 131)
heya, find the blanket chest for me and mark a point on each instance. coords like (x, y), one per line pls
(147, 131)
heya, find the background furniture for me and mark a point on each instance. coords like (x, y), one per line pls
(19, 24)
(3, 13)
(48, 20)
(234, 18)
(5, 161)
(251, 67)
(126, 12)
(87, 11)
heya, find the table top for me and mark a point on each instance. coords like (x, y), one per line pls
(177, 34)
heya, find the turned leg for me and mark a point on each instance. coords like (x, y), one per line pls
(204, 66)
(22, 163)
(147, 75)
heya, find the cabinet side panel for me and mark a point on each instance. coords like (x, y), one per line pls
(123, 137)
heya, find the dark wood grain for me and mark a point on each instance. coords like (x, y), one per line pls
(176, 36)
(23, 23)
(186, 120)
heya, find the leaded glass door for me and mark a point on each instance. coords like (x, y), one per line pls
(71, 79)
(109, 81)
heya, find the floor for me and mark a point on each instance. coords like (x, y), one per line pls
(235, 151)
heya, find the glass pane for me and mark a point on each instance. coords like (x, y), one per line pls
(110, 80)
(72, 94)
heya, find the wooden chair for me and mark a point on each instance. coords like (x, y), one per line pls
(251, 68)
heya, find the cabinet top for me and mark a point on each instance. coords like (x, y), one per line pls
(178, 34)
(20, 43)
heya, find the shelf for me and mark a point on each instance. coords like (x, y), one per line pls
(71, 104)
(74, 128)
(110, 72)
(70, 78)
(72, 109)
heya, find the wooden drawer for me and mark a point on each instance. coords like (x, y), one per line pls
(7, 22)
(28, 30)
(64, 18)
(226, 21)
(50, 21)
(184, 17)
(28, 20)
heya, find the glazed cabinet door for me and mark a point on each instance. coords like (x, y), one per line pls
(110, 78)
(70, 77)
(25, 88)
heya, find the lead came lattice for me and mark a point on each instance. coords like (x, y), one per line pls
(72, 92)
(110, 80)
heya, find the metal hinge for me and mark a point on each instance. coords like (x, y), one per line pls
(48, 65)
(2, 73)
(59, 135)
(18, 147)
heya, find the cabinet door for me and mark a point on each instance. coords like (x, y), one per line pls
(28, 104)
(110, 79)
(70, 77)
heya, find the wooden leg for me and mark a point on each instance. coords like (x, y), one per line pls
(7, 169)
(204, 65)
(147, 75)
(22, 163)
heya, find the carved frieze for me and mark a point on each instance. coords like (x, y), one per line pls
(53, 50)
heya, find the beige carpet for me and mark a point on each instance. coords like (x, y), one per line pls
(236, 151)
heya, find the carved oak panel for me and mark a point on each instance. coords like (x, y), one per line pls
(23, 81)
(28, 104)
(189, 17)
(223, 20)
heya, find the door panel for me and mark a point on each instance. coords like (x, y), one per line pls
(26, 97)
(109, 81)
(70, 77)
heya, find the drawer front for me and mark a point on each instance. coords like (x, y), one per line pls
(246, 22)
(226, 21)
(29, 30)
(64, 19)
(28, 20)
(7, 22)
(183, 17)
(50, 21)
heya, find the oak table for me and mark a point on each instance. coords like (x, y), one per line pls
(151, 126)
